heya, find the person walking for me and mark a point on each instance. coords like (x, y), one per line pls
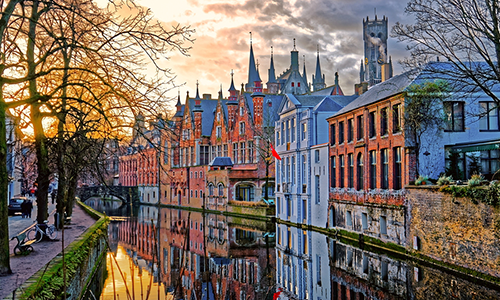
(53, 196)
(29, 208)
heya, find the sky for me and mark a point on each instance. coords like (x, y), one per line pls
(222, 39)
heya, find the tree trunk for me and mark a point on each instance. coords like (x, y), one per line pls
(37, 118)
(4, 201)
(4, 181)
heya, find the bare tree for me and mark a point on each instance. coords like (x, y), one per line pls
(465, 33)
(67, 54)
(423, 112)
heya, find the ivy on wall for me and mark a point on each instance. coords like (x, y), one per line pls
(489, 195)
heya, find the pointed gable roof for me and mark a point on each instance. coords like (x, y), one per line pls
(336, 89)
(253, 74)
(271, 72)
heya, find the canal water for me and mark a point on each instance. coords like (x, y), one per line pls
(176, 254)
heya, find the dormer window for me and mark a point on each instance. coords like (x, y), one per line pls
(241, 111)
(293, 84)
(219, 132)
(218, 116)
(298, 84)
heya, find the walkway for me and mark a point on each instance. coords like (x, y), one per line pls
(23, 267)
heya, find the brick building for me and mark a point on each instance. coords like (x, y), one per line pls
(216, 149)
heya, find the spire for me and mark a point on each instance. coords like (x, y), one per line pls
(220, 92)
(197, 92)
(304, 74)
(272, 75)
(318, 78)
(253, 75)
(179, 97)
(232, 88)
(294, 58)
(361, 73)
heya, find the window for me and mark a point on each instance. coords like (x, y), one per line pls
(242, 127)
(241, 111)
(348, 217)
(396, 118)
(278, 205)
(383, 225)
(385, 168)
(317, 187)
(360, 172)
(341, 132)
(332, 134)
(341, 175)
(333, 172)
(489, 116)
(219, 132)
(287, 131)
(221, 190)
(204, 155)
(364, 221)
(250, 152)
(373, 169)
(242, 151)
(293, 130)
(218, 116)
(225, 151)
(304, 130)
(235, 153)
(383, 121)
(316, 156)
(361, 130)
(350, 130)
(283, 133)
(490, 163)
(304, 169)
(293, 170)
(304, 242)
(397, 168)
(278, 142)
(372, 129)
(245, 192)
(454, 114)
(219, 150)
(210, 189)
(350, 179)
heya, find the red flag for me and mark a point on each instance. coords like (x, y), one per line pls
(275, 154)
(277, 294)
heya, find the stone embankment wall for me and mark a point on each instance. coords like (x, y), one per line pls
(454, 230)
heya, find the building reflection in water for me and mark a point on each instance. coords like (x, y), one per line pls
(195, 256)
(313, 266)
(191, 255)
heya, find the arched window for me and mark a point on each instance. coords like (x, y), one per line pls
(360, 171)
(221, 189)
(211, 190)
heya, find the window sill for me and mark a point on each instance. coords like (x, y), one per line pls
(489, 130)
(447, 130)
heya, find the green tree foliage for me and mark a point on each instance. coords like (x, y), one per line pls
(423, 112)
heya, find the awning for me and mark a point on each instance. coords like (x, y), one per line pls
(473, 147)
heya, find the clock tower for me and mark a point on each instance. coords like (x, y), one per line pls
(375, 60)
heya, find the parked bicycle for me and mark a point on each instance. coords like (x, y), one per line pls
(36, 233)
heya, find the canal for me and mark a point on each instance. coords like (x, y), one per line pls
(176, 254)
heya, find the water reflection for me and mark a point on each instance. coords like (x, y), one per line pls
(190, 255)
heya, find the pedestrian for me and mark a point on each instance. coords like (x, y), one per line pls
(29, 208)
(24, 208)
(53, 196)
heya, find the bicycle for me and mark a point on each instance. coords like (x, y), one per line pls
(36, 233)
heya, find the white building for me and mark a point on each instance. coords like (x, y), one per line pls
(301, 141)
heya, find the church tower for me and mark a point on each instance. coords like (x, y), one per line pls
(375, 35)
